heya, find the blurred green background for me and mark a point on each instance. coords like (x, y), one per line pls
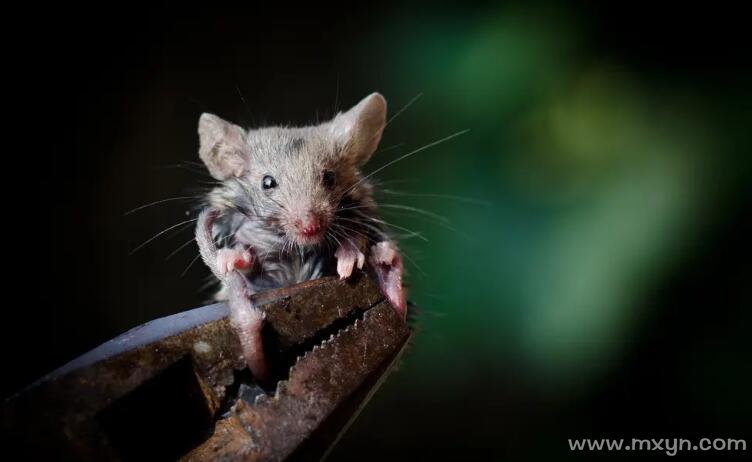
(580, 257)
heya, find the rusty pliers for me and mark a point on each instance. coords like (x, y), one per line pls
(176, 388)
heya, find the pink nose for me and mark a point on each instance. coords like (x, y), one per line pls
(308, 227)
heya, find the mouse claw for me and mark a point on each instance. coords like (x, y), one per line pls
(348, 257)
(230, 259)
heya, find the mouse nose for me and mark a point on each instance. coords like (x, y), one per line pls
(309, 226)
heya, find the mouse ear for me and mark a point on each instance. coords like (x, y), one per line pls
(358, 131)
(222, 147)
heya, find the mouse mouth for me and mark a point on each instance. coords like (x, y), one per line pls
(310, 238)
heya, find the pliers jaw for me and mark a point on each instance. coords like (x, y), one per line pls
(172, 387)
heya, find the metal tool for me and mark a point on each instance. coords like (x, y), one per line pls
(175, 388)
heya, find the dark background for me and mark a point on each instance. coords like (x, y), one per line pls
(594, 281)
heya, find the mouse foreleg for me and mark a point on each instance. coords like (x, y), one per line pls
(246, 319)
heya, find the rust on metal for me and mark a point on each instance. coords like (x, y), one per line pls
(320, 382)
(175, 387)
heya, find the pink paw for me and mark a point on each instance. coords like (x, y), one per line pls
(383, 253)
(387, 264)
(230, 259)
(348, 256)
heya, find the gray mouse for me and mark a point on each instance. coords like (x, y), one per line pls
(292, 205)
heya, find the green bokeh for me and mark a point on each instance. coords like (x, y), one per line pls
(581, 182)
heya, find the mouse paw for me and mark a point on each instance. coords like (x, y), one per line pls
(387, 264)
(230, 259)
(383, 253)
(348, 256)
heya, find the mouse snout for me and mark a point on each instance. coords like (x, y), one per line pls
(309, 225)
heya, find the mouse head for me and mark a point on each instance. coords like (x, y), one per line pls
(293, 179)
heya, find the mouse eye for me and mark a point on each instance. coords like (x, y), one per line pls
(327, 178)
(268, 182)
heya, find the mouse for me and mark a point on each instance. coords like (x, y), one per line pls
(292, 204)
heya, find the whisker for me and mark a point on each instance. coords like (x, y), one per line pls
(346, 228)
(341, 232)
(442, 221)
(389, 148)
(336, 96)
(172, 254)
(414, 263)
(376, 229)
(404, 108)
(197, 169)
(190, 264)
(405, 156)
(162, 201)
(437, 196)
(161, 233)
(392, 225)
(334, 236)
(242, 98)
(427, 213)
